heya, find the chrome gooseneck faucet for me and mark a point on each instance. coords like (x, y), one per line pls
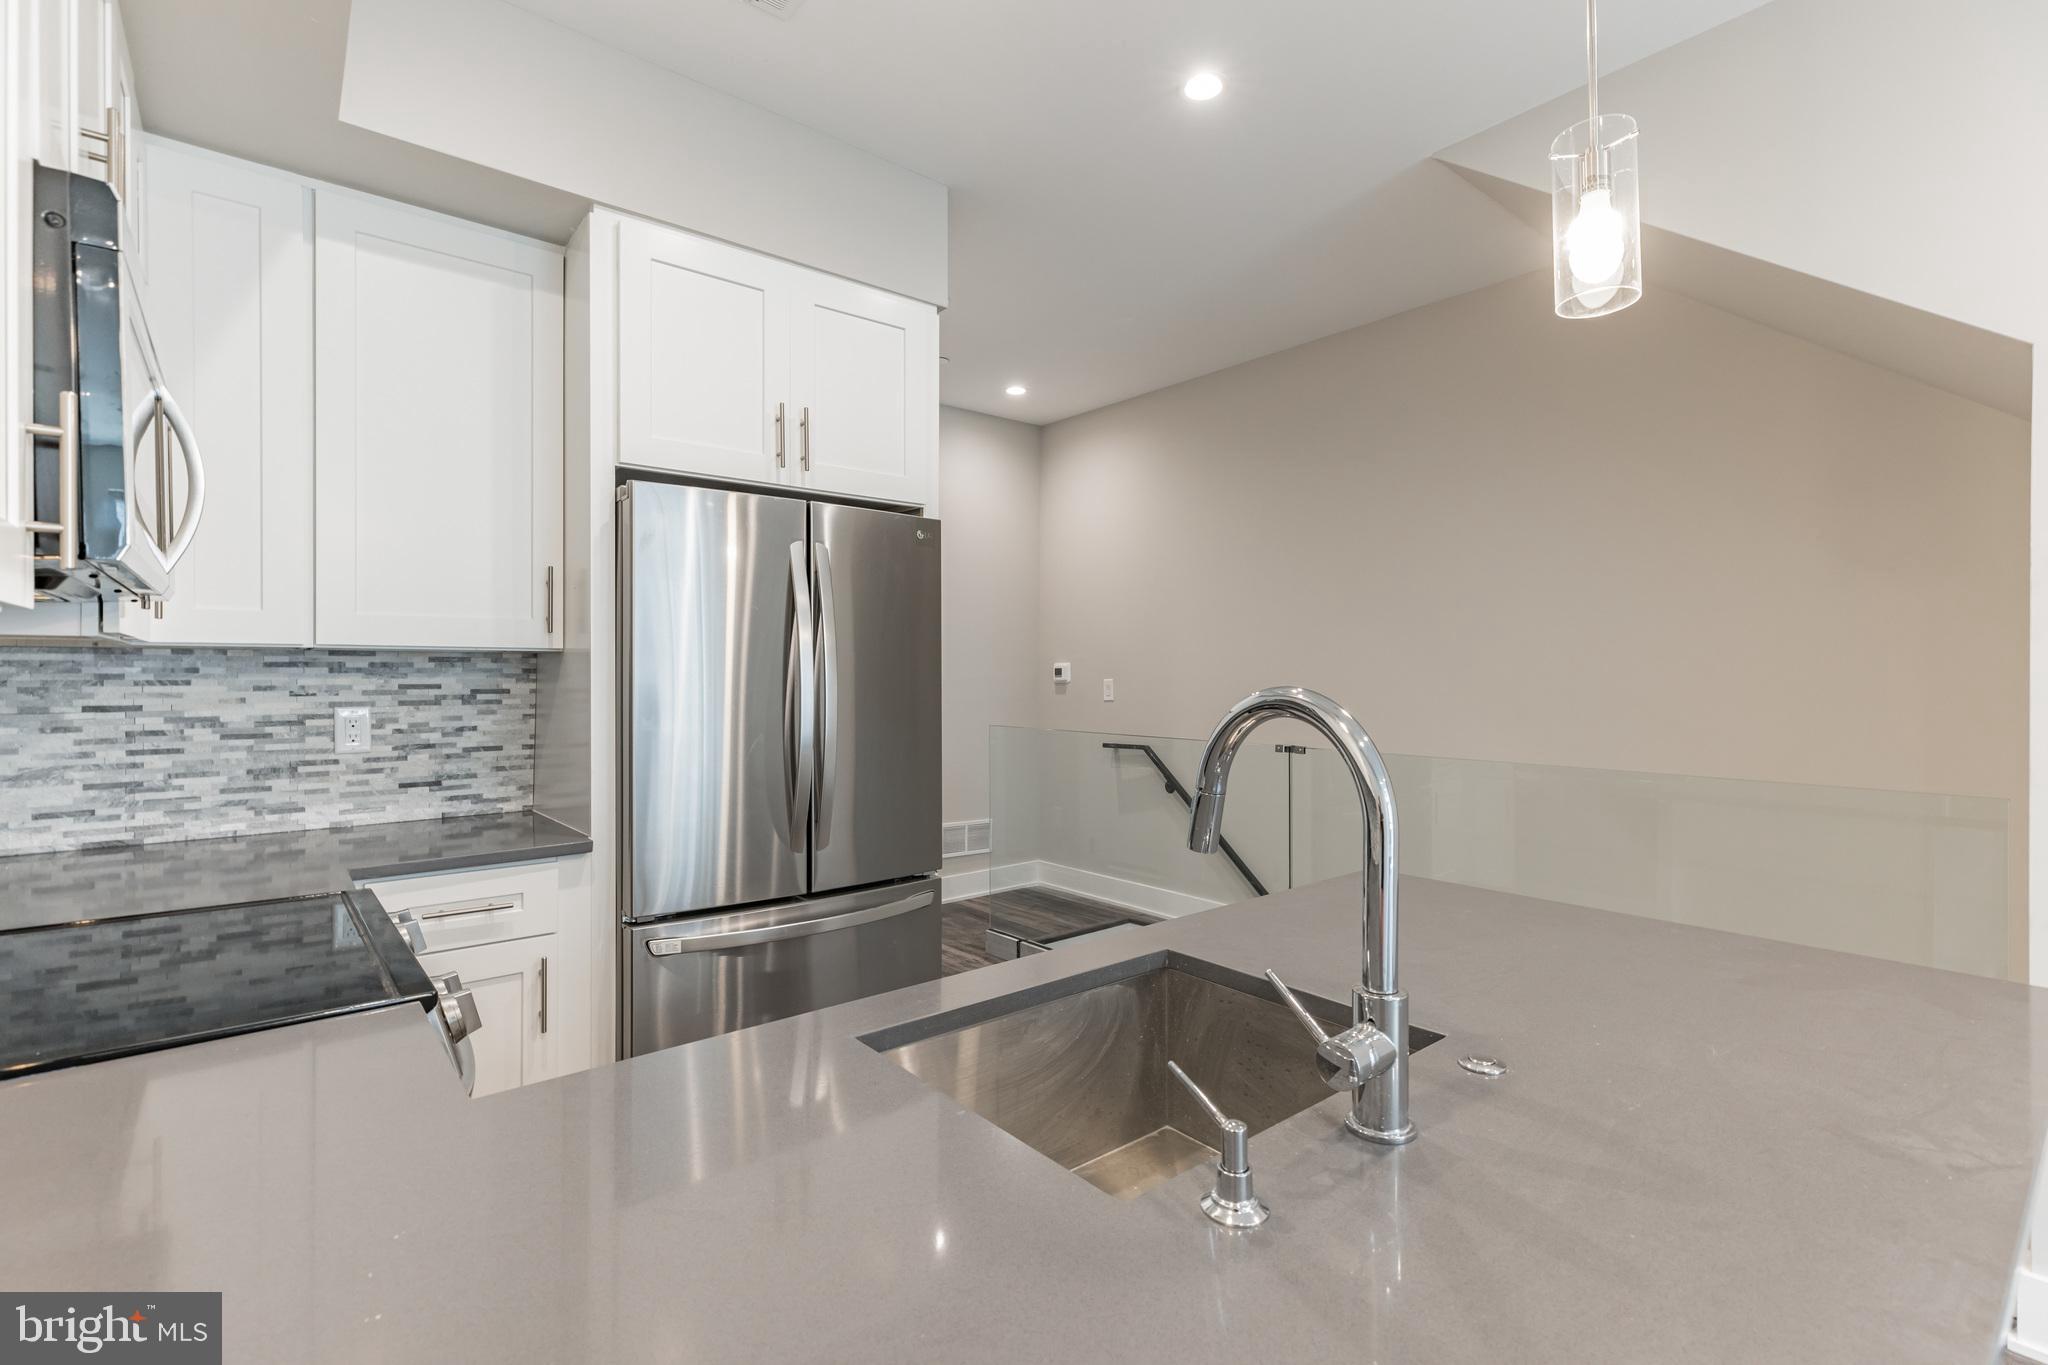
(1371, 1057)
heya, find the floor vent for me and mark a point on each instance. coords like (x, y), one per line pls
(965, 837)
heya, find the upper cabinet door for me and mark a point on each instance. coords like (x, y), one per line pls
(703, 356)
(18, 136)
(125, 115)
(230, 309)
(438, 431)
(865, 388)
(104, 113)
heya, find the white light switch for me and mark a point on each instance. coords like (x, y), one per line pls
(351, 728)
(1109, 689)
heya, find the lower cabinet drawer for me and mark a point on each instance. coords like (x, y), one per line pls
(489, 905)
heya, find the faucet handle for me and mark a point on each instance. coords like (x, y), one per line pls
(1352, 1057)
(1231, 1202)
(1287, 997)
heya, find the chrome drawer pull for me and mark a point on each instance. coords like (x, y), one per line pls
(455, 908)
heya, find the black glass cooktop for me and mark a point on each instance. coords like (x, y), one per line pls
(86, 991)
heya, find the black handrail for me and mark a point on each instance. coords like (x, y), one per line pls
(1173, 785)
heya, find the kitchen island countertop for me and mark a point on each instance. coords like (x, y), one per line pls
(1707, 1148)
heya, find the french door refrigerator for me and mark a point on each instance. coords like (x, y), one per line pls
(779, 757)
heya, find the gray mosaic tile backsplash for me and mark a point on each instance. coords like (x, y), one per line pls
(116, 746)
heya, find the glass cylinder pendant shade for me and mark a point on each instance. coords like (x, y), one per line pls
(1596, 218)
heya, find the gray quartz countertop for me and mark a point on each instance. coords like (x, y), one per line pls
(53, 888)
(1709, 1148)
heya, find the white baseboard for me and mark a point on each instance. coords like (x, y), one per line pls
(2029, 1339)
(960, 886)
(1157, 901)
(1010, 876)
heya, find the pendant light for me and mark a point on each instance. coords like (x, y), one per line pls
(1596, 220)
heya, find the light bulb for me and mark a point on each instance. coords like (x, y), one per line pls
(1595, 242)
(1203, 85)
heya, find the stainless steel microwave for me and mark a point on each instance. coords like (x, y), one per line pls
(106, 519)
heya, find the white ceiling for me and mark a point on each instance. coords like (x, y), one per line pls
(1108, 236)
(1968, 361)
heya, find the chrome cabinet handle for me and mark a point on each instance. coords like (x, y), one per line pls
(781, 460)
(543, 995)
(1232, 1202)
(115, 154)
(453, 908)
(828, 693)
(547, 624)
(804, 433)
(65, 434)
(800, 702)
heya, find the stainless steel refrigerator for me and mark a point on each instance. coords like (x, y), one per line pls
(779, 757)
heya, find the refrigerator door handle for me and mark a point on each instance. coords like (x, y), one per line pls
(828, 693)
(717, 941)
(800, 703)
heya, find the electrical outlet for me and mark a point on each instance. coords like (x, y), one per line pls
(351, 728)
(1109, 689)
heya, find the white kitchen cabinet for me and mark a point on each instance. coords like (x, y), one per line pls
(230, 309)
(518, 936)
(108, 117)
(438, 430)
(865, 385)
(703, 355)
(738, 366)
(515, 1042)
(18, 138)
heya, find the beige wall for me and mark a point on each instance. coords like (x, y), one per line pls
(988, 496)
(1673, 541)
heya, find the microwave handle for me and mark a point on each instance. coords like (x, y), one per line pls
(167, 545)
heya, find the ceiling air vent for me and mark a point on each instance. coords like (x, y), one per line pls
(781, 9)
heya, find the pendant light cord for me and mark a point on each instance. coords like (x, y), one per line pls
(1592, 70)
(1595, 162)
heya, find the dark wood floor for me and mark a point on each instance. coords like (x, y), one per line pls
(1030, 910)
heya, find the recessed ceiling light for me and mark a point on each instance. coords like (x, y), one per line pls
(1016, 391)
(1203, 85)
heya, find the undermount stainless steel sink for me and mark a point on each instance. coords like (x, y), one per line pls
(1077, 1068)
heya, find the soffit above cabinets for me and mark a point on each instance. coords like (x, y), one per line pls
(1107, 236)
(1110, 236)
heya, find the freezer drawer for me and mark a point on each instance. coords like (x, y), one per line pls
(709, 974)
